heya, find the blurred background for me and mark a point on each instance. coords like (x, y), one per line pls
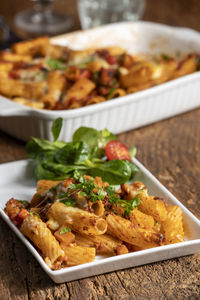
(19, 18)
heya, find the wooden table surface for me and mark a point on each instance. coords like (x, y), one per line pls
(169, 149)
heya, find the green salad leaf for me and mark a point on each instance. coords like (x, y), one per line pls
(56, 128)
(58, 160)
(95, 139)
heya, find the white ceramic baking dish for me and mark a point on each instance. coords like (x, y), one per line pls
(120, 114)
(17, 181)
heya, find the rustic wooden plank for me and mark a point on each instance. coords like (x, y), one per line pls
(97, 288)
(13, 283)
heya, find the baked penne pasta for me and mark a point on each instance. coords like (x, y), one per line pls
(12, 57)
(104, 244)
(79, 90)
(62, 78)
(126, 231)
(72, 220)
(28, 102)
(77, 255)
(31, 47)
(79, 220)
(173, 225)
(41, 236)
(153, 206)
(55, 86)
(142, 220)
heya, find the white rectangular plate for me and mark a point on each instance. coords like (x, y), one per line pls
(17, 181)
(124, 113)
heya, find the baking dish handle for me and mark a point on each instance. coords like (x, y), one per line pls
(9, 108)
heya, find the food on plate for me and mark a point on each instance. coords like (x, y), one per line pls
(83, 205)
(72, 220)
(46, 76)
(91, 152)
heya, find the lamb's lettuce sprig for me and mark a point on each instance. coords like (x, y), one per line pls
(85, 153)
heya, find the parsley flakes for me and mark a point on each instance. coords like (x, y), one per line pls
(65, 230)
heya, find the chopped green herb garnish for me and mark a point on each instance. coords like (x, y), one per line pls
(68, 202)
(83, 194)
(65, 230)
(34, 214)
(165, 56)
(56, 64)
(129, 205)
(24, 202)
(54, 188)
(111, 92)
(113, 198)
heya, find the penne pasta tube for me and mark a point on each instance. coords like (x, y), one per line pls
(118, 93)
(153, 206)
(97, 207)
(139, 75)
(36, 230)
(126, 231)
(134, 89)
(16, 88)
(77, 255)
(28, 102)
(79, 220)
(55, 51)
(31, 47)
(79, 55)
(12, 57)
(95, 100)
(142, 220)
(80, 89)
(95, 66)
(55, 86)
(74, 104)
(164, 71)
(104, 244)
(44, 185)
(6, 66)
(72, 73)
(173, 225)
(187, 66)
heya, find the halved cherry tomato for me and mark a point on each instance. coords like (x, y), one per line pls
(117, 150)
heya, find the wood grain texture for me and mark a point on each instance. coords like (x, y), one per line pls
(169, 149)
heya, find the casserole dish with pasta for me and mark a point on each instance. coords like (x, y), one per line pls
(95, 77)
